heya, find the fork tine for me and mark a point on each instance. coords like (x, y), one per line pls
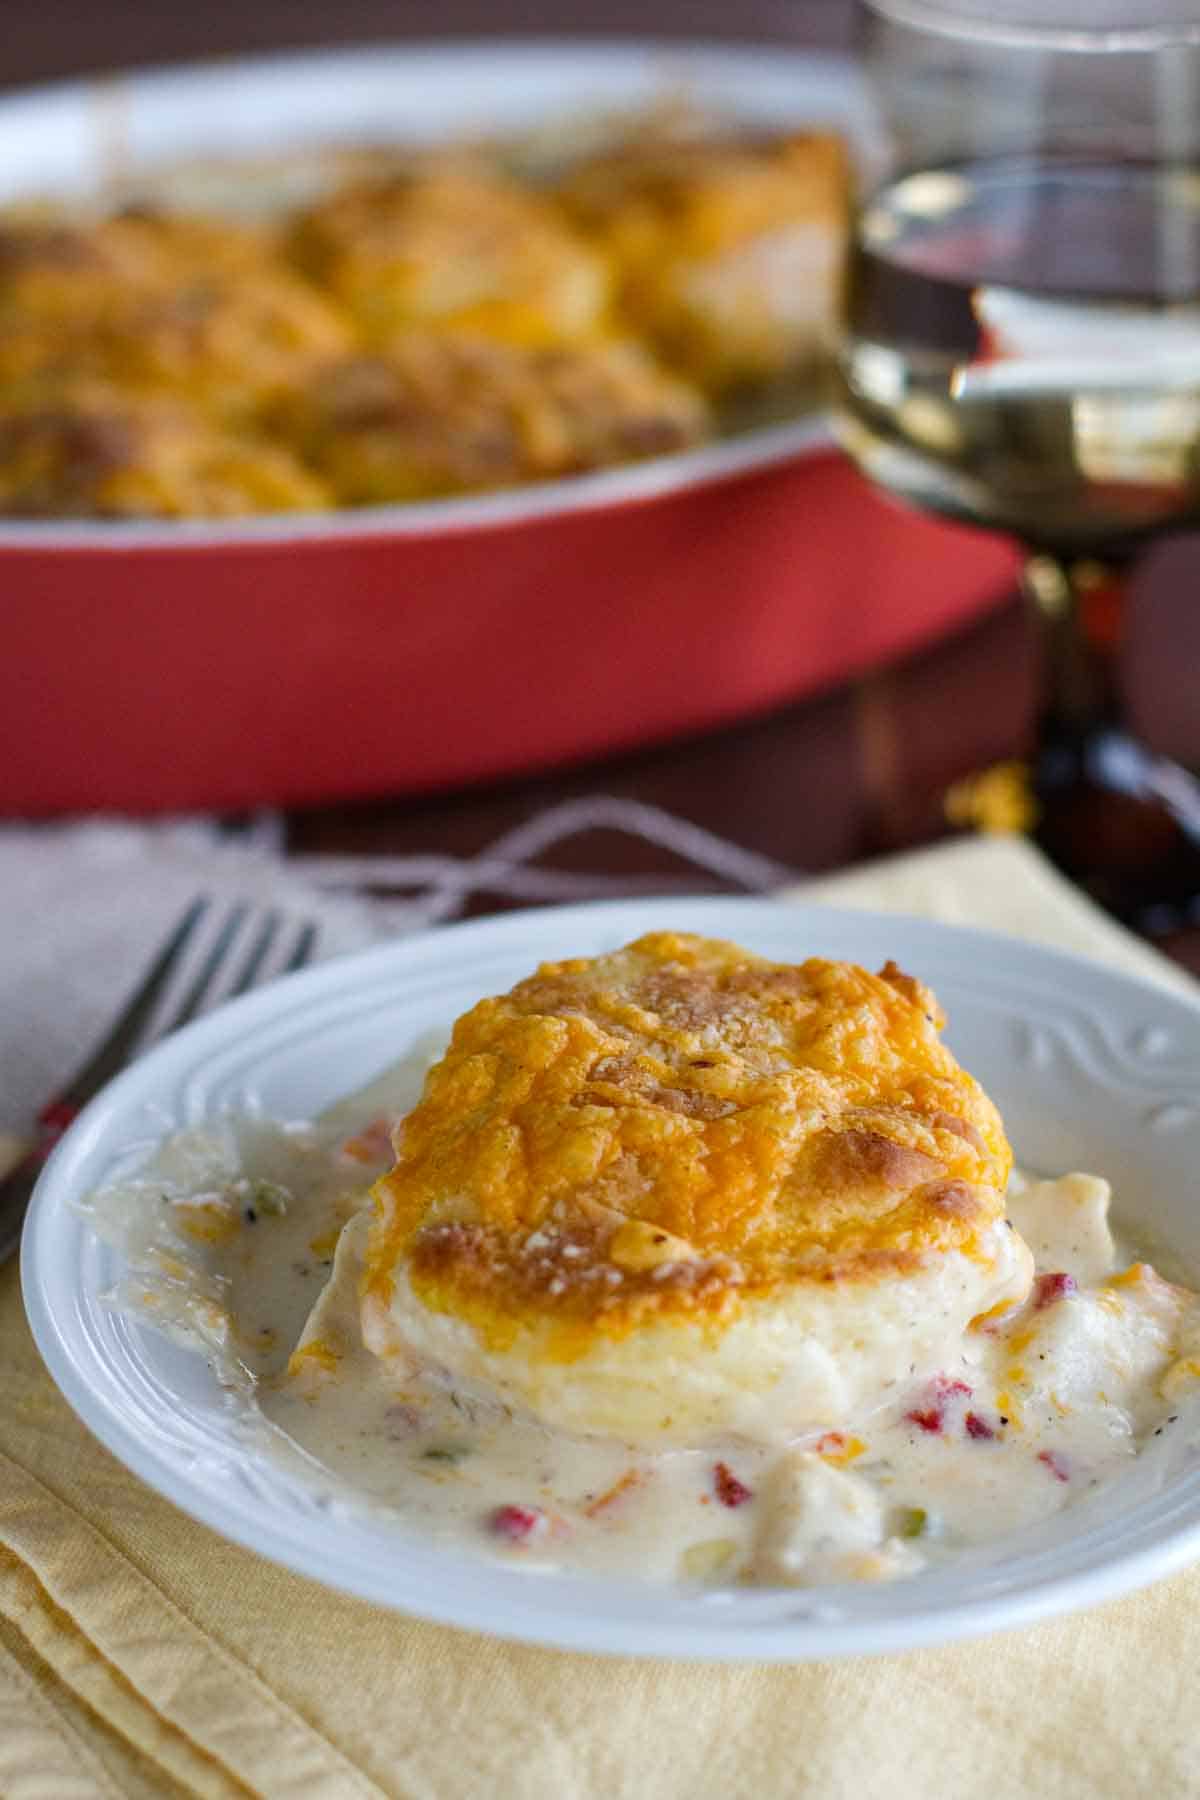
(125, 1037)
(248, 974)
(306, 943)
(191, 1003)
(119, 1045)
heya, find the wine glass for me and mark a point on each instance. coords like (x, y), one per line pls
(1022, 352)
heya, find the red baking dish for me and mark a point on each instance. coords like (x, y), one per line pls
(156, 666)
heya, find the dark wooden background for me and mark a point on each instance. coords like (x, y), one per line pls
(43, 40)
(816, 785)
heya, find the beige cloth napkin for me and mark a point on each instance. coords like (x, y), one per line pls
(140, 1655)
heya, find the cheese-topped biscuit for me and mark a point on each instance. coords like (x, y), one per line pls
(726, 250)
(198, 309)
(678, 1192)
(90, 449)
(445, 414)
(452, 244)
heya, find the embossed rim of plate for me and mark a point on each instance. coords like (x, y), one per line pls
(1075, 1053)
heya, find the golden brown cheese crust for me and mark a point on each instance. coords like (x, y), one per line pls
(438, 327)
(90, 450)
(675, 1128)
(726, 251)
(450, 414)
(228, 341)
(452, 243)
(154, 304)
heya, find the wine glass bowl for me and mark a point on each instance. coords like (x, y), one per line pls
(1022, 352)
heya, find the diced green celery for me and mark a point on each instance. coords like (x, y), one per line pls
(269, 1197)
(912, 1522)
(700, 1562)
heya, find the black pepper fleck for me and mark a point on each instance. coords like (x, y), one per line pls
(250, 1216)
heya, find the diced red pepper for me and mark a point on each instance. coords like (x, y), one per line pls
(1055, 1464)
(978, 1427)
(942, 1389)
(929, 1418)
(730, 1491)
(518, 1524)
(1049, 1288)
(372, 1144)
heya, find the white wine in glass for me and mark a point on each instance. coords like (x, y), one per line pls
(1022, 352)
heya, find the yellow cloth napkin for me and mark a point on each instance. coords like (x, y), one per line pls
(140, 1655)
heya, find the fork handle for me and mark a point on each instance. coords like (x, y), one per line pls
(16, 1188)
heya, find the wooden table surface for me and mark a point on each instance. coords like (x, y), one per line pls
(57, 38)
(848, 774)
(817, 785)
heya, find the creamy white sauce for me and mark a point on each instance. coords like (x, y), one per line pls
(230, 1238)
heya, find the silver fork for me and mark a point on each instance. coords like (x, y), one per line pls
(125, 1040)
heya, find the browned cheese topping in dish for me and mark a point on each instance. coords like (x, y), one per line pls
(204, 310)
(451, 414)
(726, 255)
(440, 327)
(453, 244)
(89, 448)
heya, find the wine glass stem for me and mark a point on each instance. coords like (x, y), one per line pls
(1122, 821)
(1080, 609)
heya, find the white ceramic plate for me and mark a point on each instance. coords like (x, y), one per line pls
(86, 140)
(1090, 1069)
